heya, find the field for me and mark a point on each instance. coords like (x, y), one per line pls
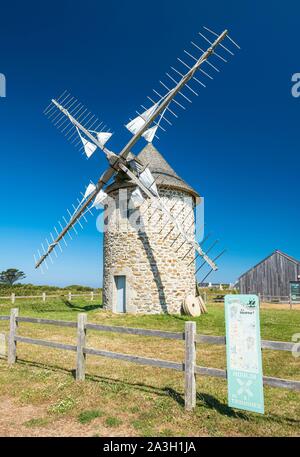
(39, 396)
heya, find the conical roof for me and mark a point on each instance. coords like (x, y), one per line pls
(162, 172)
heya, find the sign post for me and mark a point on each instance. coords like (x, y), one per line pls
(243, 353)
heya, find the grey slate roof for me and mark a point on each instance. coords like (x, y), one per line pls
(162, 172)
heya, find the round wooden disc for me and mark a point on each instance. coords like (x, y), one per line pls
(191, 306)
(202, 304)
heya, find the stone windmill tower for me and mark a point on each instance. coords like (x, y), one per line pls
(143, 270)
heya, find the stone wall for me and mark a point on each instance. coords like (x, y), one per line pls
(157, 277)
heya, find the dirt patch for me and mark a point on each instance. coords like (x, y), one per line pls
(22, 421)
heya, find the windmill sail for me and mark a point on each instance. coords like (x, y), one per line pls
(150, 133)
(90, 188)
(137, 198)
(138, 122)
(148, 181)
(89, 148)
(141, 125)
(102, 137)
(100, 197)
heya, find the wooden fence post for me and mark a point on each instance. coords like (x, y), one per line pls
(44, 297)
(70, 296)
(12, 344)
(81, 341)
(92, 296)
(189, 366)
(13, 298)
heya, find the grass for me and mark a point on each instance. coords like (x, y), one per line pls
(38, 422)
(119, 398)
(112, 421)
(85, 417)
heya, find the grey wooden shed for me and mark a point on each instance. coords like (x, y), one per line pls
(272, 276)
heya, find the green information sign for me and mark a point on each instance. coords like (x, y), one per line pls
(243, 353)
(295, 291)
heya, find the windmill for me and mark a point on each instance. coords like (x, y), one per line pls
(84, 130)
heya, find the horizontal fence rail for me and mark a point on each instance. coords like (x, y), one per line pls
(188, 366)
(216, 297)
(13, 297)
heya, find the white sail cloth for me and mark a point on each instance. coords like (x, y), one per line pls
(90, 188)
(89, 148)
(102, 137)
(150, 133)
(99, 199)
(138, 122)
(148, 181)
(137, 198)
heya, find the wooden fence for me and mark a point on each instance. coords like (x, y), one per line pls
(188, 366)
(13, 297)
(215, 297)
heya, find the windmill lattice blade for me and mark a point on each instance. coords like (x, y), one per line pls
(65, 115)
(79, 212)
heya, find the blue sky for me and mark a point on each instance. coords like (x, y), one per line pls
(238, 144)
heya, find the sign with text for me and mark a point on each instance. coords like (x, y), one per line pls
(295, 291)
(243, 353)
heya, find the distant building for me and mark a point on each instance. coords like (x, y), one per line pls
(272, 276)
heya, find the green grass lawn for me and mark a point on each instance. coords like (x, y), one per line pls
(40, 396)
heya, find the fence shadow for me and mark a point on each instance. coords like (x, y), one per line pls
(203, 399)
(211, 402)
(162, 392)
(86, 308)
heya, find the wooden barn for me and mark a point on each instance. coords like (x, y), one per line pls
(271, 277)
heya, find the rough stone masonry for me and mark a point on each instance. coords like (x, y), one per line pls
(141, 245)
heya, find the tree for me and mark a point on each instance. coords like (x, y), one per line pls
(11, 275)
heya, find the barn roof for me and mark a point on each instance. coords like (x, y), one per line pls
(286, 256)
(162, 172)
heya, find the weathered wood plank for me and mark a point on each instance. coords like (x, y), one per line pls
(12, 345)
(209, 339)
(265, 344)
(4, 318)
(214, 372)
(189, 366)
(136, 359)
(137, 331)
(51, 344)
(274, 382)
(282, 383)
(277, 345)
(81, 342)
(36, 320)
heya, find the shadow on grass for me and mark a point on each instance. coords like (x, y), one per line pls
(166, 391)
(211, 402)
(86, 308)
(203, 399)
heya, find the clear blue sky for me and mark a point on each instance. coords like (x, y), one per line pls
(238, 144)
